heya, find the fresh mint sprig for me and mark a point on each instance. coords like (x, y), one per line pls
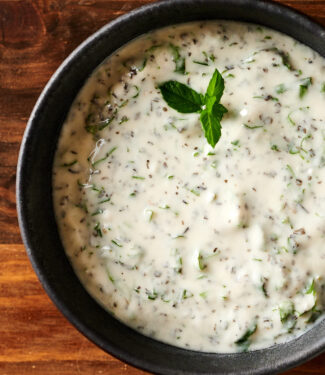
(184, 99)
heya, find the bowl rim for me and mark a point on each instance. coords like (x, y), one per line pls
(23, 220)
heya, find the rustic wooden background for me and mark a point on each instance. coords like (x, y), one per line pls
(35, 37)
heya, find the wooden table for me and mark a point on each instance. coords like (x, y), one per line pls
(35, 37)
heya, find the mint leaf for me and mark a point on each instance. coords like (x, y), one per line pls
(216, 86)
(211, 120)
(186, 100)
(181, 97)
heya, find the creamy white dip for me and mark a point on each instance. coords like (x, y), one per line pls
(217, 250)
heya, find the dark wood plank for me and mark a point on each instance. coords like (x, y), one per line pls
(35, 37)
(9, 232)
(35, 337)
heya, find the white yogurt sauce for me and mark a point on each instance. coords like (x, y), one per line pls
(217, 250)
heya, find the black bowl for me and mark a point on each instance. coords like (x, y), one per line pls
(35, 206)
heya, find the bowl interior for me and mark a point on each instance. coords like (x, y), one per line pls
(35, 206)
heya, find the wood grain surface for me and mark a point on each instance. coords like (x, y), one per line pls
(35, 37)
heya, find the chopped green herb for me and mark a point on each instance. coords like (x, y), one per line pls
(143, 65)
(153, 48)
(290, 119)
(302, 142)
(304, 85)
(178, 236)
(203, 295)
(179, 267)
(287, 221)
(178, 60)
(266, 97)
(289, 168)
(249, 60)
(322, 87)
(124, 103)
(292, 122)
(137, 92)
(83, 206)
(186, 294)
(311, 289)
(195, 192)
(211, 56)
(165, 207)
(280, 89)
(105, 157)
(116, 243)
(200, 261)
(253, 126)
(138, 178)
(293, 150)
(263, 286)
(314, 314)
(164, 299)
(97, 212)
(104, 200)
(287, 315)
(151, 295)
(244, 342)
(93, 129)
(275, 148)
(81, 184)
(95, 188)
(200, 62)
(110, 277)
(123, 119)
(148, 214)
(98, 230)
(284, 56)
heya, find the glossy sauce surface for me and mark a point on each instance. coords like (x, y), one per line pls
(218, 249)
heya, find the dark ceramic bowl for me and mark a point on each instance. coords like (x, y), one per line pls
(35, 206)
